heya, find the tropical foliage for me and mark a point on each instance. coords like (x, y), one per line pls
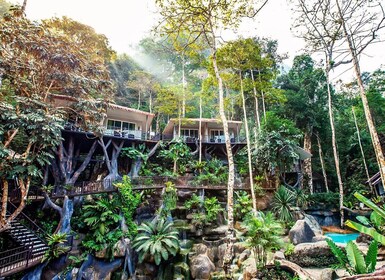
(263, 234)
(156, 239)
(353, 260)
(283, 203)
(129, 201)
(56, 246)
(373, 227)
(101, 218)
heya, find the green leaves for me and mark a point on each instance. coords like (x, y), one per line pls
(354, 261)
(377, 219)
(355, 257)
(158, 239)
(263, 234)
(283, 201)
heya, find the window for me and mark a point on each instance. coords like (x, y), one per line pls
(189, 133)
(119, 125)
(216, 132)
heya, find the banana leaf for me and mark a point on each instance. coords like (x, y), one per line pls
(369, 231)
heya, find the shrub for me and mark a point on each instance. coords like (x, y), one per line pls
(283, 201)
(158, 239)
(329, 199)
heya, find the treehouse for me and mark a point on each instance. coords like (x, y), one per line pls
(127, 122)
(209, 131)
(119, 121)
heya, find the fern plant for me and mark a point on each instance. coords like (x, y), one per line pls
(354, 260)
(157, 239)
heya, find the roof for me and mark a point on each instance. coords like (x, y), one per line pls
(110, 105)
(375, 179)
(119, 107)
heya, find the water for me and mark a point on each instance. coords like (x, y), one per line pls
(342, 237)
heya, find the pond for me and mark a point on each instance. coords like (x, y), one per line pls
(342, 237)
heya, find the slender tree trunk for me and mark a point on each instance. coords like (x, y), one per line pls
(360, 143)
(228, 256)
(307, 168)
(4, 202)
(322, 163)
(200, 128)
(24, 185)
(334, 143)
(256, 102)
(263, 98)
(368, 115)
(150, 101)
(183, 87)
(251, 177)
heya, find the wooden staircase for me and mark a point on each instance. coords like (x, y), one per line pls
(30, 252)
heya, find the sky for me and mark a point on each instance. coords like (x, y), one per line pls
(126, 22)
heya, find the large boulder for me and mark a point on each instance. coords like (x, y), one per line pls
(317, 254)
(314, 225)
(201, 267)
(301, 232)
(249, 269)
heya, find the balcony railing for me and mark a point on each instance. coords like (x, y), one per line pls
(129, 134)
(205, 138)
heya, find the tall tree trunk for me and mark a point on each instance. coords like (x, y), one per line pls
(307, 168)
(334, 143)
(368, 115)
(228, 256)
(150, 101)
(360, 143)
(256, 102)
(263, 97)
(251, 177)
(322, 163)
(200, 128)
(183, 87)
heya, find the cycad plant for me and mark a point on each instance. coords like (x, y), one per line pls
(283, 202)
(263, 235)
(354, 261)
(158, 239)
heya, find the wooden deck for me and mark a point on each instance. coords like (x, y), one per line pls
(139, 183)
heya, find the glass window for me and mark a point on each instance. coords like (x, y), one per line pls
(189, 132)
